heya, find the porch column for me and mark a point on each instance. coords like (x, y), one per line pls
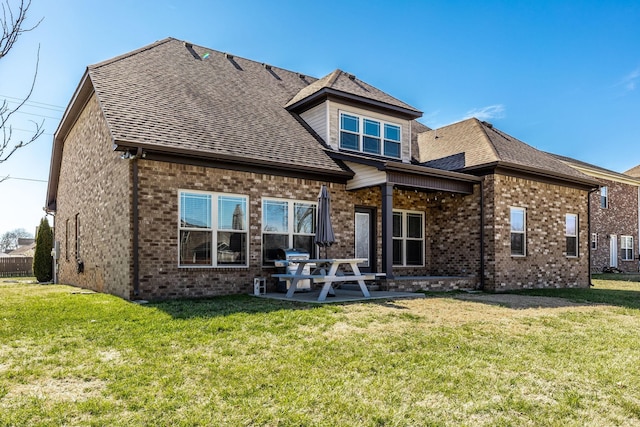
(387, 229)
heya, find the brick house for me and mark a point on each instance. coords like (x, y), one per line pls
(615, 209)
(178, 171)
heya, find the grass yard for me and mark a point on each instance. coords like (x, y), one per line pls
(552, 358)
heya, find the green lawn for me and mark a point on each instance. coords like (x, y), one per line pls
(68, 357)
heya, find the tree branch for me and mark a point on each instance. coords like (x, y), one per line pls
(12, 27)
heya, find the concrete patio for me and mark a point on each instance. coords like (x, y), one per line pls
(342, 295)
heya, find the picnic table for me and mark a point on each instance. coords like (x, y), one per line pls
(326, 272)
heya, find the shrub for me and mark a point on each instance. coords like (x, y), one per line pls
(42, 263)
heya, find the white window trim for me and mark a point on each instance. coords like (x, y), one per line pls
(566, 217)
(290, 214)
(361, 134)
(605, 196)
(404, 237)
(594, 241)
(214, 229)
(623, 249)
(523, 232)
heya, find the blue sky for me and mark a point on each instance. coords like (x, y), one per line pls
(561, 76)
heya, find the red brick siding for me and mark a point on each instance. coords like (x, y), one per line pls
(545, 263)
(620, 218)
(95, 185)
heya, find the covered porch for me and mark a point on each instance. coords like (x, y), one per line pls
(425, 225)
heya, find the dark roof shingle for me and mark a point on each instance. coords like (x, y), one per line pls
(175, 95)
(347, 83)
(472, 144)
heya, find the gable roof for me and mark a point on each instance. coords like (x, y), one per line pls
(341, 84)
(634, 172)
(173, 96)
(472, 145)
(598, 171)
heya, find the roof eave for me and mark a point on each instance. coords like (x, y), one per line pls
(602, 174)
(316, 97)
(80, 98)
(394, 166)
(262, 163)
(591, 183)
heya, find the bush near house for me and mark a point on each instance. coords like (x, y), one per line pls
(42, 264)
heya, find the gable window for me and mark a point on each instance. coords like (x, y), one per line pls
(369, 136)
(287, 224)
(626, 244)
(518, 235)
(604, 197)
(594, 240)
(408, 238)
(213, 229)
(571, 234)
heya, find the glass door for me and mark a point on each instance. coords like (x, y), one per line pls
(365, 238)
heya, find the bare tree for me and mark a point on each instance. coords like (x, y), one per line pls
(14, 24)
(9, 240)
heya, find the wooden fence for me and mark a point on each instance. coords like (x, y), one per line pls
(16, 266)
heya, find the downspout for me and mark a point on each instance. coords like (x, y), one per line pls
(589, 230)
(135, 225)
(482, 234)
(387, 229)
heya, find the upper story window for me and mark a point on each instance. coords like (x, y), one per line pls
(213, 229)
(604, 197)
(518, 236)
(571, 234)
(370, 136)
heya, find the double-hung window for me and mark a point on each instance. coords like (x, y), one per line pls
(408, 238)
(287, 224)
(571, 234)
(604, 197)
(594, 240)
(370, 136)
(213, 229)
(626, 244)
(518, 235)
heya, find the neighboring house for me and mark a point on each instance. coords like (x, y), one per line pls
(178, 171)
(26, 248)
(615, 206)
(24, 251)
(634, 172)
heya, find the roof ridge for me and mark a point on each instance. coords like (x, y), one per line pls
(334, 76)
(488, 139)
(132, 53)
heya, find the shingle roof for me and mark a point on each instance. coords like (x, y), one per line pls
(174, 95)
(349, 84)
(634, 172)
(472, 144)
(591, 168)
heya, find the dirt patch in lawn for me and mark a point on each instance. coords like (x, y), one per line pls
(521, 302)
(65, 389)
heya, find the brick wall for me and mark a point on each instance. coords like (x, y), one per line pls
(160, 276)
(620, 218)
(94, 187)
(545, 263)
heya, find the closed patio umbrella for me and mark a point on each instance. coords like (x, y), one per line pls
(324, 230)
